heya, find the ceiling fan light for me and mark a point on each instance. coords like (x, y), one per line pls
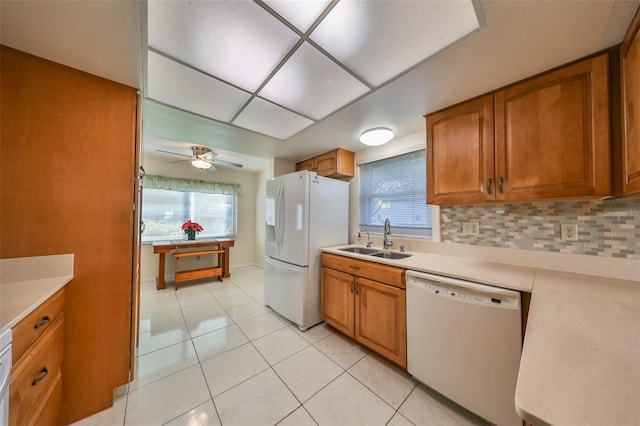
(200, 164)
(376, 136)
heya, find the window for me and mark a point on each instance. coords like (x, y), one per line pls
(165, 210)
(396, 188)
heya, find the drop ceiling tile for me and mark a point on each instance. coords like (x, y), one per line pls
(270, 119)
(236, 41)
(301, 14)
(175, 84)
(312, 84)
(380, 39)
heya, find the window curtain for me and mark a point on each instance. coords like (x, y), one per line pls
(190, 185)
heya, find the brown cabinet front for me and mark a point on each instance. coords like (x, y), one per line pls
(337, 163)
(543, 138)
(35, 379)
(381, 319)
(552, 135)
(460, 153)
(630, 85)
(373, 312)
(337, 296)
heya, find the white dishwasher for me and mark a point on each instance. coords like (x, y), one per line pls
(464, 340)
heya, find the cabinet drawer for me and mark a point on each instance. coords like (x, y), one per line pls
(37, 322)
(50, 408)
(35, 373)
(390, 275)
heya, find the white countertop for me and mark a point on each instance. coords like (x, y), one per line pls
(580, 362)
(492, 273)
(26, 282)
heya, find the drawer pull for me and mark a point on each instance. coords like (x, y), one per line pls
(44, 321)
(43, 374)
(356, 267)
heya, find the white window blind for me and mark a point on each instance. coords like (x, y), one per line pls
(396, 188)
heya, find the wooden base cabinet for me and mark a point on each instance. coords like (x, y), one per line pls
(371, 312)
(544, 138)
(35, 395)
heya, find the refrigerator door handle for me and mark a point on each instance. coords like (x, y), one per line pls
(280, 217)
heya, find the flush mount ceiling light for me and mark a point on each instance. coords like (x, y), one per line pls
(377, 136)
(201, 164)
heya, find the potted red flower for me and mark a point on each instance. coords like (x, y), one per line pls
(190, 228)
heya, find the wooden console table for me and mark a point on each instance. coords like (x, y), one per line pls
(163, 247)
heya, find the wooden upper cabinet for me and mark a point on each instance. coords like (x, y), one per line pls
(630, 85)
(544, 138)
(460, 152)
(334, 164)
(552, 134)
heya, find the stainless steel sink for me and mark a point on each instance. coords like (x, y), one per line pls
(375, 252)
(390, 255)
(360, 250)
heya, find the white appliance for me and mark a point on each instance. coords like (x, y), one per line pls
(5, 372)
(304, 212)
(464, 340)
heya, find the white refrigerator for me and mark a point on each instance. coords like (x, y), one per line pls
(304, 212)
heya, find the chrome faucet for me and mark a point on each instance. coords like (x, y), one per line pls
(386, 243)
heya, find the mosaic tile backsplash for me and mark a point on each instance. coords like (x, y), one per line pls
(605, 227)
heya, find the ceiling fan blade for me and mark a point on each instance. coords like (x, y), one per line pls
(211, 169)
(178, 161)
(227, 163)
(174, 153)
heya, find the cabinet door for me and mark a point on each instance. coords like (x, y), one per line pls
(552, 134)
(327, 164)
(337, 300)
(460, 153)
(381, 319)
(630, 80)
(306, 165)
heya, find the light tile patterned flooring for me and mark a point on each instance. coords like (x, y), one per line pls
(211, 353)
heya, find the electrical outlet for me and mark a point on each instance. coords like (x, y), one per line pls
(470, 228)
(569, 232)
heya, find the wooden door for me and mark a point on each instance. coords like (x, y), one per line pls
(337, 300)
(381, 319)
(460, 153)
(552, 134)
(67, 172)
(630, 82)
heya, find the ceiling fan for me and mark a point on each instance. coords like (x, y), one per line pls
(202, 158)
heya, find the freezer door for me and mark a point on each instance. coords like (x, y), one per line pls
(285, 289)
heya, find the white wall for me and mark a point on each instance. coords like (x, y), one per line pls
(248, 239)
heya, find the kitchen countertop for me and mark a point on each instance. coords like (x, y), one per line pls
(26, 282)
(580, 361)
(581, 357)
(492, 273)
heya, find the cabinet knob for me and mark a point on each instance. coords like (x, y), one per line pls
(489, 181)
(501, 185)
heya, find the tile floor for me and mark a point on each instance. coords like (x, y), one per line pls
(212, 353)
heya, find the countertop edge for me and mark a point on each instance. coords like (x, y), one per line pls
(45, 288)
